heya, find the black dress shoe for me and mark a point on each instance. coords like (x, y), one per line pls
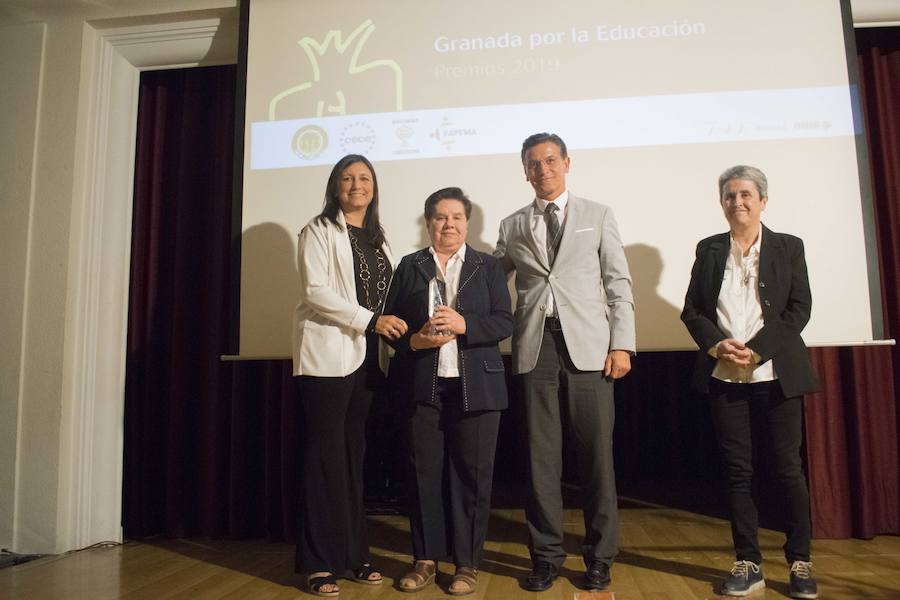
(597, 575)
(541, 577)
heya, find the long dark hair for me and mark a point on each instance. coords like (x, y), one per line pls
(371, 222)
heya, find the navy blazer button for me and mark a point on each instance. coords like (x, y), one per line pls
(767, 303)
(762, 284)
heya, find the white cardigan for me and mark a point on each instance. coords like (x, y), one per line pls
(329, 324)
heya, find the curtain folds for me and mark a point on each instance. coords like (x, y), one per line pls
(852, 425)
(851, 444)
(211, 447)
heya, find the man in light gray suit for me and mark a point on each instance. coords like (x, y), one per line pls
(574, 335)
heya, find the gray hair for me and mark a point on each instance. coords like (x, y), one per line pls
(744, 172)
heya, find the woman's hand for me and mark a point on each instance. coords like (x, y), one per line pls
(424, 338)
(447, 319)
(390, 326)
(735, 351)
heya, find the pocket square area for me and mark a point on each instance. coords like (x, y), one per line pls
(493, 366)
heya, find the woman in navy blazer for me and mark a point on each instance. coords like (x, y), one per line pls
(746, 304)
(454, 395)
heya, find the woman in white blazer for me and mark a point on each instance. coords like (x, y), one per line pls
(345, 269)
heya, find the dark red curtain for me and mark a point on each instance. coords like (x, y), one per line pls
(210, 447)
(203, 440)
(852, 425)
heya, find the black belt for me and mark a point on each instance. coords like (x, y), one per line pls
(552, 324)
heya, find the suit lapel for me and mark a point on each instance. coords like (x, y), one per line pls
(344, 255)
(470, 266)
(770, 255)
(425, 266)
(718, 254)
(573, 213)
(525, 223)
(386, 248)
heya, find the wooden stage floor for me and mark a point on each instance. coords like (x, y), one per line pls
(665, 554)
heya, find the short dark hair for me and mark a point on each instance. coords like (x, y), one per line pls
(447, 193)
(540, 138)
(332, 205)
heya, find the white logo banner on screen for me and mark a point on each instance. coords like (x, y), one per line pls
(798, 113)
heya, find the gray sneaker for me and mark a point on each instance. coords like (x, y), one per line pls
(802, 583)
(745, 577)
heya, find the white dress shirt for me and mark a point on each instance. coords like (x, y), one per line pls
(539, 230)
(448, 355)
(739, 312)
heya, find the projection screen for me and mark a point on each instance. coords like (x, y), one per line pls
(654, 98)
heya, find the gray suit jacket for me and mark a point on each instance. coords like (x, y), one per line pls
(589, 281)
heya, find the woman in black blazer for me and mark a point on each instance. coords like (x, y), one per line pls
(450, 369)
(746, 304)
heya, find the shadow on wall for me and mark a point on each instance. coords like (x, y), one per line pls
(657, 321)
(476, 231)
(275, 283)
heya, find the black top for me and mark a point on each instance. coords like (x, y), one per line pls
(372, 271)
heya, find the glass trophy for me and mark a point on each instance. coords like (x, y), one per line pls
(437, 291)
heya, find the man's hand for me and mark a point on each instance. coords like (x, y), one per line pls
(618, 363)
(423, 339)
(390, 326)
(735, 351)
(447, 319)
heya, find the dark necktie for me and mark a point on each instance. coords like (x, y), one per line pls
(552, 220)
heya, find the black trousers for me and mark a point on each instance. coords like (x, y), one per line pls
(451, 461)
(331, 525)
(561, 400)
(757, 414)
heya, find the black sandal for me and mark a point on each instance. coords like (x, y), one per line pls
(316, 583)
(362, 573)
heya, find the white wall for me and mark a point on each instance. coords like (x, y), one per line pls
(49, 54)
(21, 52)
(47, 109)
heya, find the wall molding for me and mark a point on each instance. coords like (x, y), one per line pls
(92, 427)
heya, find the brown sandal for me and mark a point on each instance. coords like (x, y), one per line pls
(421, 576)
(466, 575)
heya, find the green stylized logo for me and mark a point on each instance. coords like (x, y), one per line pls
(329, 97)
